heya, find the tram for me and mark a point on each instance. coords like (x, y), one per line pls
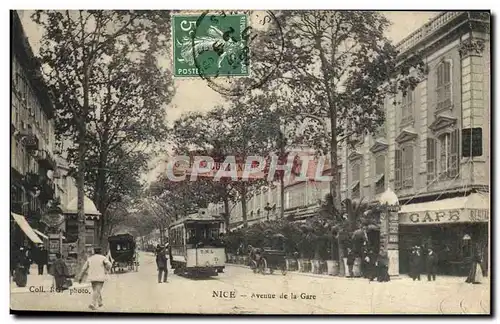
(195, 245)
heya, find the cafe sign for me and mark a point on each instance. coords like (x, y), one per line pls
(445, 216)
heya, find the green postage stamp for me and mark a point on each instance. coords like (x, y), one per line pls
(210, 45)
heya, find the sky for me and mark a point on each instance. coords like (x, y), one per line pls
(194, 95)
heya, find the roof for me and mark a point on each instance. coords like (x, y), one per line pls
(88, 205)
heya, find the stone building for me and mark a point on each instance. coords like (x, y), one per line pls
(32, 137)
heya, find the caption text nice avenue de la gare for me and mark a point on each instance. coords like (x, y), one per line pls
(232, 294)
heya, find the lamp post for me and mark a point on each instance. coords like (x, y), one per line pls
(390, 226)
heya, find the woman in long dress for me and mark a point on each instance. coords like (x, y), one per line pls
(475, 273)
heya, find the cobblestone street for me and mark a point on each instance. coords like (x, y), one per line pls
(140, 292)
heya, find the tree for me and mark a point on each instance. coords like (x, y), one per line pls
(338, 68)
(75, 48)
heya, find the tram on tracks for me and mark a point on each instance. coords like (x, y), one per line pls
(195, 245)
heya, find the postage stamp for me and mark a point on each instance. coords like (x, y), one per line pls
(213, 46)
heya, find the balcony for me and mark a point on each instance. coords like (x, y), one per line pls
(45, 159)
(426, 30)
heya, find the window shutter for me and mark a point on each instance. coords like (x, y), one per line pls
(408, 166)
(397, 169)
(431, 159)
(454, 148)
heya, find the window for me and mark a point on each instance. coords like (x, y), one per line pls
(287, 199)
(379, 174)
(407, 105)
(355, 186)
(431, 160)
(406, 166)
(448, 154)
(443, 87)
(398, 170)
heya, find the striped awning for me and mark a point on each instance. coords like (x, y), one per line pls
(27, 229)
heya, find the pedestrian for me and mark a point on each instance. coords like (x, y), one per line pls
(431, 263)
(28, 260)
(350, 262)
(370, 265)
(96, 268)
(416, 263)
(161, 264)
(41, 258)
(383, 267)
(60, 273)
(475, 273)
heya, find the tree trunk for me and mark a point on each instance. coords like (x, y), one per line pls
(227, 213)
(244, 204)
(282, 197)
(162, 239)
(80, 202)
(100, 194)
(80, 181)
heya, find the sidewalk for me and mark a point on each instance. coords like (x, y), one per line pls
(403, 277)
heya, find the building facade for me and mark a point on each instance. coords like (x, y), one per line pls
(39, 177)
(433, 150)
(32, 134)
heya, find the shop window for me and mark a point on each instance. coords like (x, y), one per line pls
(379, 173)
(431, 160)
(443, 86)
(407, 107)
(448, 154)
(407, 154)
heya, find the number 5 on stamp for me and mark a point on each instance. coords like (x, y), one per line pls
(210, 45)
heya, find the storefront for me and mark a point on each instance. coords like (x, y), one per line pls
(452, 227)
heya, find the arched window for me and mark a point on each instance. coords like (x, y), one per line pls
(443, 85)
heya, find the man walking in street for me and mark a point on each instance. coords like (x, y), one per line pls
(96, 268)
(161, 263)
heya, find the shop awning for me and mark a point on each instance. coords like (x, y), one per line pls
(27, 229)
(472, 208)
(40, 234)
(472, 201)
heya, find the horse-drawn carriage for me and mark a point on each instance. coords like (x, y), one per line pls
(271, 257)
(123, 252)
